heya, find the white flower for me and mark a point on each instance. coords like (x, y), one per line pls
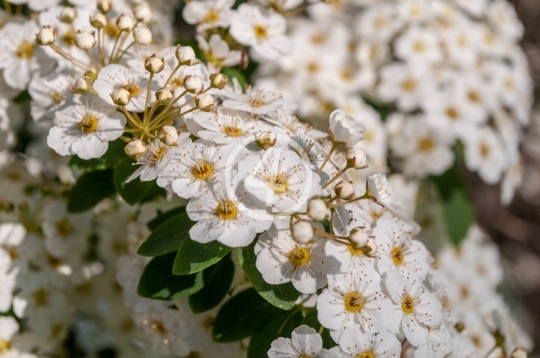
(379, 188)
(355, 341)
(208, 14)
(218, 53)
(503, 17)
(8, 328)
(263, 30)
(48, 93)
(345, 129)
(484, 153)
(439, 343)
(153, 161)
(84, 126)
(255, 100)
(419, 45)
(304, 342)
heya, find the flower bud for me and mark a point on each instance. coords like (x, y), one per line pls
(218, 80)
(143, 12)
(82, 85)
(121, 96)
(104, 6)
(205, 102)
(356, 158)
(344, 190)
(519, 353)
(302, 232)
(380, 189)
(67, 15)
(359, 237)
(193, 84)
(154, 64)
(164, 96)
(344, 129)
(85, 40)
(316, 209)
(98, 20)
(265, 140)
(135, 148)
(168, 134)
(142, 35)
(125, 22)
(92, 72)
(185, 55)
(370, 249)
(46, 36)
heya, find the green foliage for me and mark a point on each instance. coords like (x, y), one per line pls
(164, 216)
(90, 189)
(217, 280)
(134, 191)
(283, 296)
(158, 282)
(22, 97)
(193, 257)
(167, 236)
(231, 73)
(457, 209)
(114, 154)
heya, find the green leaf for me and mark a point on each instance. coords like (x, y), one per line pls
(134, 191)
(217, 280)
(283, 296)
(22, 97)
(114, 154)
(158, 282)
(193, 257)
(167, 237)
(456, 205)
(234, 73)
(90, 189)
(164, 216)
(271, 327)
(239, 316)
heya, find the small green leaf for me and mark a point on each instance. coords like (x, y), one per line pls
(134, 191)
(193, 257)
(90, 189)
(114, 154)
(158, 282)
(283, 296)
(456, 205)
(217, 280)
(164, 216)
(234, 73)
(167, 237)
(22, 97)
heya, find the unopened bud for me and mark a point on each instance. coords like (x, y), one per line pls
(98, 20)
(104, 6)
(135, 148)
(125, 22)
(356, 158)
(82, 85)
(193, 84)
(85, 40)
(302, 232)
(370, 249)
(316, 209)
(154, 64)
(359, 237)
(67, 15)
(519, 353)
(265, 140)
(168, 134)
(142, 35)
(344, 190)
(92, 72)
(143, 12)
(121, 96)
(218, 80)
(205, 102)
(46, 36)
(185, 55)
(164, 96)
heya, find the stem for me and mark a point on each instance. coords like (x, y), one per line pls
(336, 176)
(334, 146)
(92, 59)
(145, 118)
(100, 44)
(68, 57)
(119, 57)
(335, 238)
(171, 75)
(164, 112)
(114, 47)
(365, 196)
(129, 117)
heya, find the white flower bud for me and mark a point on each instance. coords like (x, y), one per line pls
(205, 102)
(218, 80)
(168, 134)
(98, 20)
(154, 64)
(380, 189)
(135, 148)
(67, 15)
(46, 36)
(125, 22)
(104, 6)
(356, 158)
(344, 129)
(142, 35)
(193, 84)
(359, 237)
(82, 85)
(185, 55)
(344, 190)
(265, 140)
(302, 232)
(85, 40)
(143, 12)
(121, 96)
(316, 209)
(370, 249)
(92, 72)
(519, 353)
(164, 96)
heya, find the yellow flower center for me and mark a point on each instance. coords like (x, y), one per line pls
(133, 89)
(407, 305)
(353, 251)
(56, 330)
(88, 124)
(473, 96)
(4, 346)
(318, 38)
(25, 50)
(226, 210)
(57, 98)
(233, 131)
(260, 32)
(278, 184)
(111, 30)
(202, 170)
(64, 228)
(299, 256)
(354, 302)
(419, 46)
(484, 150)
(452, 113)
(208, 323)
(381, 22)
(425, 144)
(211, 16)
(158, 154)
(69, 37)
(408, 85)
(367, 354)
(397, 256)
(41, 297)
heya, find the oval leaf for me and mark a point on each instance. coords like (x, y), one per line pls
(193, 257)
(134, 191)
(114, 154)
(167, 237)
(90, 189)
